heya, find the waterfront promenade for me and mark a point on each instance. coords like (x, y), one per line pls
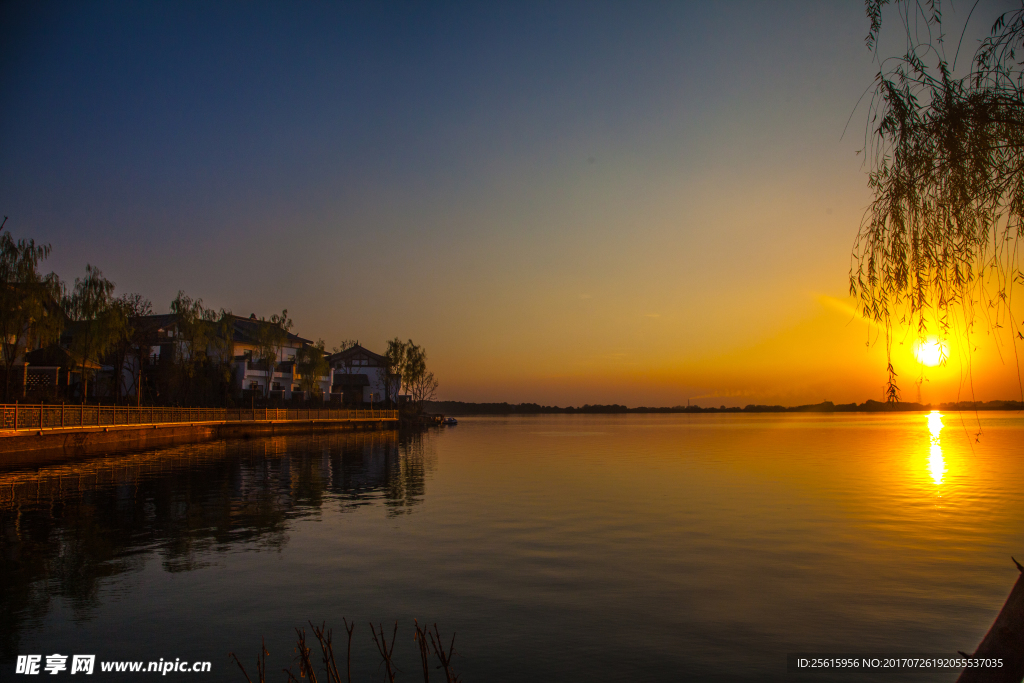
(78, 428)
(15, 418)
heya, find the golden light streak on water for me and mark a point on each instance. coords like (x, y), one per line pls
(936, 463)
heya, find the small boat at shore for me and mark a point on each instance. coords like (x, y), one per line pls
(450, 421)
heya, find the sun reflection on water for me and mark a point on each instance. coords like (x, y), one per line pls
(936, 463)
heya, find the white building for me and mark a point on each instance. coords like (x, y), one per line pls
(249, 373)
(252, 374)
(356, 376)
(360, 376)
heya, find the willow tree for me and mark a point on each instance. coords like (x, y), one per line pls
(938, 246)
(310, 365)
(391, 372)
(28, 301)
(271, 336)
(421, 384)
(130, 350)
(202, 337)
(96, 323)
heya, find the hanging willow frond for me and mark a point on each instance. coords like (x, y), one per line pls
(940, 239)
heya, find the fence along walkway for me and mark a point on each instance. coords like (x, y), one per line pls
(19, 416)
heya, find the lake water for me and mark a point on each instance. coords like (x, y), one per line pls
(558, 548)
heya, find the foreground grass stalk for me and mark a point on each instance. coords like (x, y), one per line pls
(348, 657)
(261, 663)
(444, 657)
(385, 651)
(305, 665)
(324, 637)
(421, 640)
(426, 640)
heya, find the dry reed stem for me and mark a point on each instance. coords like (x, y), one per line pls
(444, 657)
(324, 636)
(348, 658)
(232, 655)
(261, 663)
(384, 650)
(305, 665)
(421, 640)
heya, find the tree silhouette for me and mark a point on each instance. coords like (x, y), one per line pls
(27, 300)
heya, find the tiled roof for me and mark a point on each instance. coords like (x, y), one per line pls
(244, 330)
(354, 352)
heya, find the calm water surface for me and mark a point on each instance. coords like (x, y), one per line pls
(559, 548)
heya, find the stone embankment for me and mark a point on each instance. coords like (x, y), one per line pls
(28, 431)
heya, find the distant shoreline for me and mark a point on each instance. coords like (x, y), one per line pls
(463, 408)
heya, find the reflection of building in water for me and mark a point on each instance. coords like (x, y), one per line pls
(393, 468)
(66, 529)
(936, 463)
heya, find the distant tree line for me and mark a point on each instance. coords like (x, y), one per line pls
(461, 408)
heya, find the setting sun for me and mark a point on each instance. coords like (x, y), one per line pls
(932, 351)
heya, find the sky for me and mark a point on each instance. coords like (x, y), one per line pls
(563, 203)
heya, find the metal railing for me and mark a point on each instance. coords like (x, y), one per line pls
(22, 416)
